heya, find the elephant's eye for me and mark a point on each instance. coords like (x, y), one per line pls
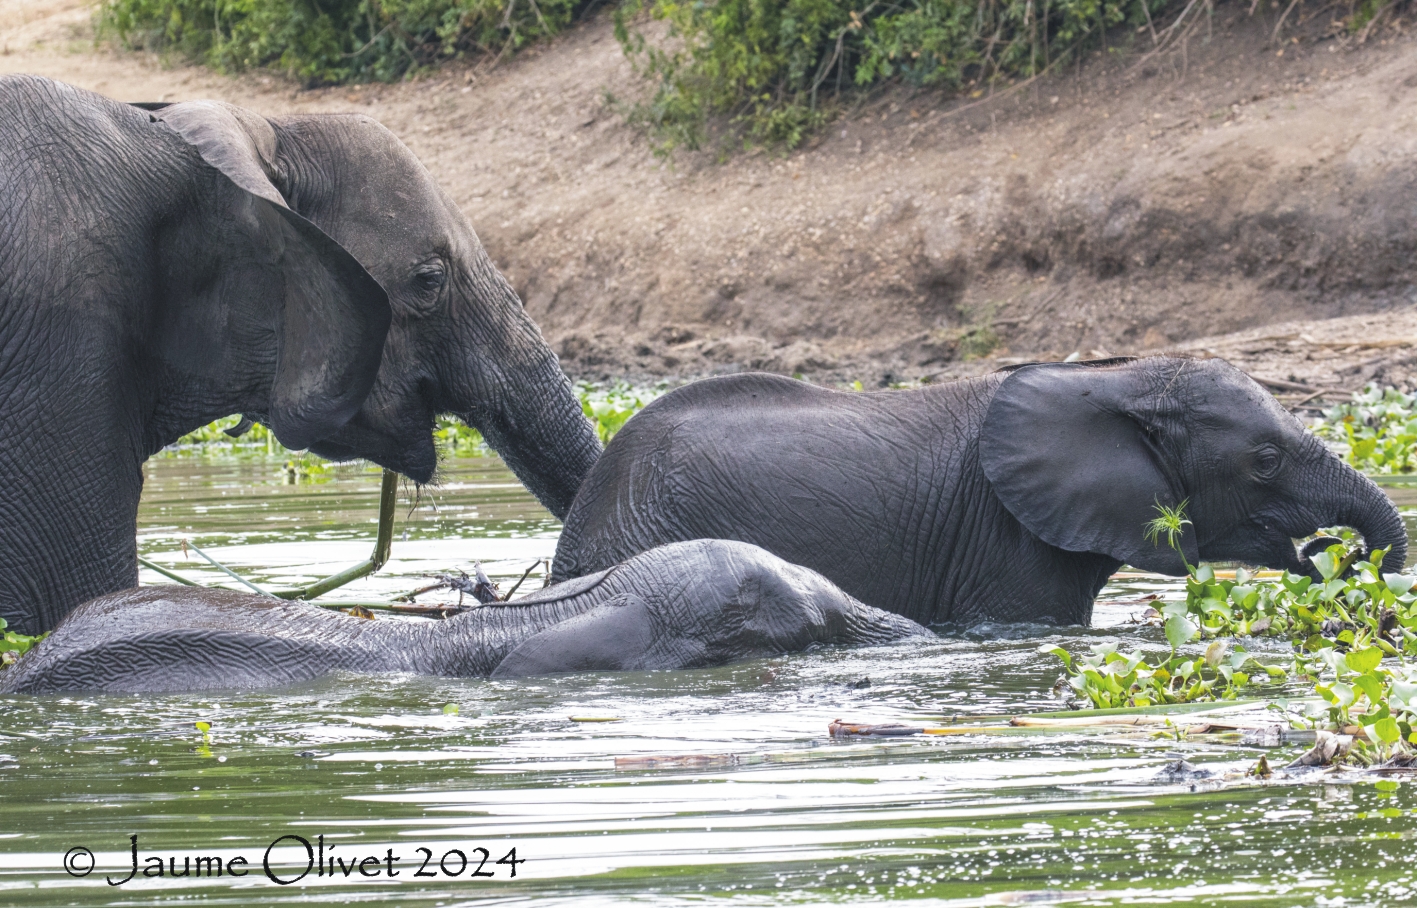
(1267, 463)
(429, 278)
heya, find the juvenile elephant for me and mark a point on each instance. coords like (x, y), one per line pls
(1009, 497)
(684, 605)
(164, 265)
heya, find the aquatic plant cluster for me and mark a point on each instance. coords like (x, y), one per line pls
(13, 645)
(607, 406)
(1376, 431)
(1351, 637)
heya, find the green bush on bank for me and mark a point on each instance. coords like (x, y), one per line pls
(765, 71)
(773, 68)
(329, 41)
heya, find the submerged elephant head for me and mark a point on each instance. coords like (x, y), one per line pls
(460, 341)
(1084, 454)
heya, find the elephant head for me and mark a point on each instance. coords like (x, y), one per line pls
(1083, 454)
(147, 288)
(168, 264)
(333, 316)
(460, 342)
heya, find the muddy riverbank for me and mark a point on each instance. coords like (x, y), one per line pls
(1123, 205)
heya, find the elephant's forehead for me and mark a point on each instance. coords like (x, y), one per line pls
(373, 190)
(1216, 393)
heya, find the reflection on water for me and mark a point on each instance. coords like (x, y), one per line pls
(757, 804)
(246, 514)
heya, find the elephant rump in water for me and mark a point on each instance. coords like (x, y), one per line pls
(1009, 497)
(684, 605)
(165, 265)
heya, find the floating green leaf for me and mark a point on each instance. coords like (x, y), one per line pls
(1364, 660)
(1179, 631)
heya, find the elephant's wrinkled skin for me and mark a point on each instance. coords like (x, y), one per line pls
(1009, 497)
(165, 265)
(685, 605)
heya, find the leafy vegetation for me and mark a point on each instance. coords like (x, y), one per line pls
(332, 40)
(1352, 634)
(767, 71)
(775, 69)
(1376, 431)
(611, 406)
(607, 406)
(13, 645)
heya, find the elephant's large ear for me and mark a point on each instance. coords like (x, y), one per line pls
(1076, 453)
(335, 315)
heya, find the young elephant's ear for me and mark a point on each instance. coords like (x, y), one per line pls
(335, 315)
(1074, 453)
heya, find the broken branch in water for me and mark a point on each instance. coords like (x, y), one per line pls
(166, 573)
(228, 571)
(480, 586)
(383, 545)
(519, 581)
(436, 610)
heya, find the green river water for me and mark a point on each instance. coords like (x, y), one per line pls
(747, 800)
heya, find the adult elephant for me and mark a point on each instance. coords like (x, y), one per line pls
(684, 605)
(1009, 497)
(164, 265)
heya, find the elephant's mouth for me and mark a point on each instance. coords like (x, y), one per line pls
(406, 448)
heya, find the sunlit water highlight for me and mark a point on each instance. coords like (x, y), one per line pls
(751, 802)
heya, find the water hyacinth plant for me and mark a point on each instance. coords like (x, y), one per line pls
(1351, 634)
(611, 406)
(13, 645)
(1376, 431)
(608, 406)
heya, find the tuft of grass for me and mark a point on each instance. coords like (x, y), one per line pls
(1170, 522)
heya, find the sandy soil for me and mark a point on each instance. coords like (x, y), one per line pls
(1241, 199)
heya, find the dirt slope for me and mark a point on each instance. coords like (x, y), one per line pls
(1116, 207)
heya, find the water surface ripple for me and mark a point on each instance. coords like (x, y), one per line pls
(716, 785)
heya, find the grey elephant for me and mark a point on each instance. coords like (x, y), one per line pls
(684, 605)
(165, 265)
(1010, 497)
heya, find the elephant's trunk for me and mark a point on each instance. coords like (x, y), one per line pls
(1363, 506)
(522, 403)
(538, 428)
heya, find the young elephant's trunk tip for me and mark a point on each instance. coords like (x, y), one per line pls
(1368, 510)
